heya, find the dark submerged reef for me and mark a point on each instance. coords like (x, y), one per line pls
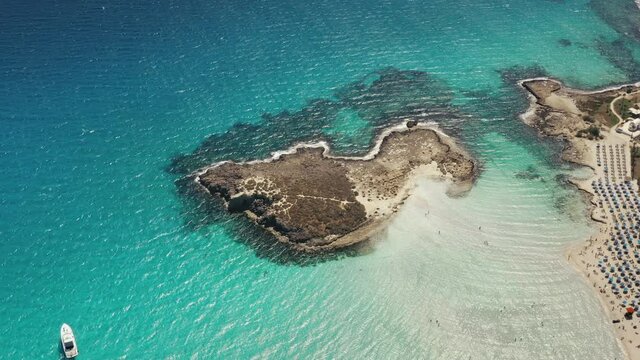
(618, 53)
(624, 17)
(499, 109)
(519, 132)
(621, 15)
(516, 73)
(565, 42)
(563, 201)
(392, 95)
(530, 173)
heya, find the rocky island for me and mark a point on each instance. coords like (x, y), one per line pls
(315, 202)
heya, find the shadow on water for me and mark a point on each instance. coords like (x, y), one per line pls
(61, 355)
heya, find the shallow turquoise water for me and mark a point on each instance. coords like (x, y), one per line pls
(97, 99)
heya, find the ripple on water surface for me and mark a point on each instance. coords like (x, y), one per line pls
(96, 99)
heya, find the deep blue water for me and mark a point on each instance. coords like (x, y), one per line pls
(98, 99)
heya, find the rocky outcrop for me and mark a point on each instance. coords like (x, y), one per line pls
(573, 115)
(316, 202)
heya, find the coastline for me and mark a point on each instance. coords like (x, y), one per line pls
(585, 256)
(324, 145)
(579, 91)
(380, 182)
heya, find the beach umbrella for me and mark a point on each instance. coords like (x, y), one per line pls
(630, 310)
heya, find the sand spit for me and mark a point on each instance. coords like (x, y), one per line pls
(317, 202)
(610, 260)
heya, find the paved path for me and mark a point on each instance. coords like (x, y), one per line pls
(613, 108)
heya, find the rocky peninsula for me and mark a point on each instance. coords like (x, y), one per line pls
(317, 202)
(573, 115)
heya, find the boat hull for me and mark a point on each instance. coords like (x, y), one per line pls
(68, 341)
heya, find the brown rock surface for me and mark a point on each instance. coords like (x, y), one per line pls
(313, 201)
(570, 114)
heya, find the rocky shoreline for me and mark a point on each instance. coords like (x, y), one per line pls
(568, 114)
(315, 202)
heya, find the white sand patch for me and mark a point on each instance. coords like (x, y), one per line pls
(562, 103)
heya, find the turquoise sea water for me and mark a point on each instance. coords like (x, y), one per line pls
(98, 98)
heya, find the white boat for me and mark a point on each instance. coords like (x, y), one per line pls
(68, 341)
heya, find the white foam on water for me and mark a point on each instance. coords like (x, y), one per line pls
(375, 149)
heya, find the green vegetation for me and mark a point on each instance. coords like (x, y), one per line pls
(623, 105)
(613, 119)
(598, 111)
(592, 132)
